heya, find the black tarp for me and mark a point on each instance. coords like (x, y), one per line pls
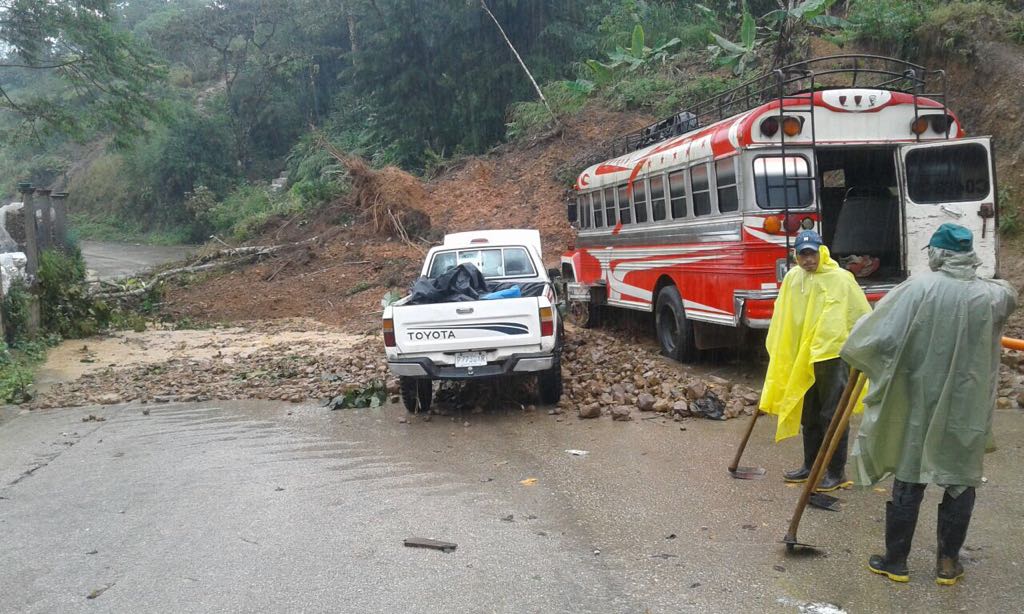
(465, 282)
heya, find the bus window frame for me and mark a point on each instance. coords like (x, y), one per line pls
(623, 190)
(598, 212)
(665, 213)
(687, 213)
(735, 185)
(925, 203)
(641, 184)
(710, 190)
(809, 179)
(612, 207)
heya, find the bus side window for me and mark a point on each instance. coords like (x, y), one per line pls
(725, 179)
(658, 197)
(598, 210)
(588, 200)
(609, 207)
(640, 200)
(677, 193)
(701, 190)
(625, 216)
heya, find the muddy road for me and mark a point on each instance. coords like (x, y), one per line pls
(265, 506)
(112, 260)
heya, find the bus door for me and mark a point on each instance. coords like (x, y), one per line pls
(948, 181)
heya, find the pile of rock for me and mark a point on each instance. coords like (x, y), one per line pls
(603, 376)
(293, 372)
(606, 376)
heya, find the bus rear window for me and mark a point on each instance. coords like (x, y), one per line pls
(779, 185)
(951, 173)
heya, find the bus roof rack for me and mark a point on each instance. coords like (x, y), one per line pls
(828, 72)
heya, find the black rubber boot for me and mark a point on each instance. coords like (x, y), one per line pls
(812, 441)
(951, 531)
(833, 481)
(900, 523)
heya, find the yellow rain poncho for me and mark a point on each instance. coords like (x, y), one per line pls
(812, 319)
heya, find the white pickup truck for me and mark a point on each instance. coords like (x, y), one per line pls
(458, 336)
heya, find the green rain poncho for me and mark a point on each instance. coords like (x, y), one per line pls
(813, 316)
(931, 350)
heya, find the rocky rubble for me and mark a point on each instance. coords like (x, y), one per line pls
(603, 376)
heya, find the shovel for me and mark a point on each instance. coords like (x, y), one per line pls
(746, 473)
(836, 428)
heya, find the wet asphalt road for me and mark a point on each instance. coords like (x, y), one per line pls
(113, 260)
(267, 507)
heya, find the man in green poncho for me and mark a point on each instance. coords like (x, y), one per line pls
(931, 352)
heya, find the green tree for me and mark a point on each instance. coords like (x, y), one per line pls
(67, 67)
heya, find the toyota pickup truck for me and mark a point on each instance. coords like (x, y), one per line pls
(462, 335)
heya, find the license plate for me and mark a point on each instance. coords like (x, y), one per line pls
(470, 359)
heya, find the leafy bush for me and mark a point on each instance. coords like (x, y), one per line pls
(564, 97)
(887, 24)
(66, 307)
(1009, 213)
(956, 27)
(312, 172)
(15, 311)
(244, 211)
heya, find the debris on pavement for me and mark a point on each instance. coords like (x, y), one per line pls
(577, 452)
(433, 544)
(528, 481)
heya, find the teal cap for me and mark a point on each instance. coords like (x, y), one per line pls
(953, 237)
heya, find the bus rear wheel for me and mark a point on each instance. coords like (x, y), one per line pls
(583, 314)
(675, 332)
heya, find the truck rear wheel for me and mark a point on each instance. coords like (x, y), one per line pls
(675, 332)
(549, 384)
(416, 392)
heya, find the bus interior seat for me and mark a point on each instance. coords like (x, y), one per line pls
(868, 224)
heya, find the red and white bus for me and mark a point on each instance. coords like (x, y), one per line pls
(694, 219)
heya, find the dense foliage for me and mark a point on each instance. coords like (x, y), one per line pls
(232, 93)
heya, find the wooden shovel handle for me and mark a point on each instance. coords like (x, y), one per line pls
(743, 444)
(836, 428)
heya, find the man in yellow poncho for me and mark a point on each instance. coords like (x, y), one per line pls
(931, 350)
(818, 304)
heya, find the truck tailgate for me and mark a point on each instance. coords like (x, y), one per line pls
(467, 325)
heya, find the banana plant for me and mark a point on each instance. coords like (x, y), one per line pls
(794, 18)
(636, 57)
(741, 55)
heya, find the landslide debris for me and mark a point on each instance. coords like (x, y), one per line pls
(603, 376)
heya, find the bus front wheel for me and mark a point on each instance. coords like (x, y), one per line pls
(675, 332)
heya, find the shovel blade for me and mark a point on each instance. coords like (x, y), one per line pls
(792, 545)
(748, 473)
(825, 502)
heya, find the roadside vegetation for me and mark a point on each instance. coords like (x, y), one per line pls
(67, 310)
(239, 93)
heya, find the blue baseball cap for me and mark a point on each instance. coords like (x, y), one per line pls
(807, 239)
(953, 237)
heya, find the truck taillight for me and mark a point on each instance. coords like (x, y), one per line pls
(389, 333)
(547, 322)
